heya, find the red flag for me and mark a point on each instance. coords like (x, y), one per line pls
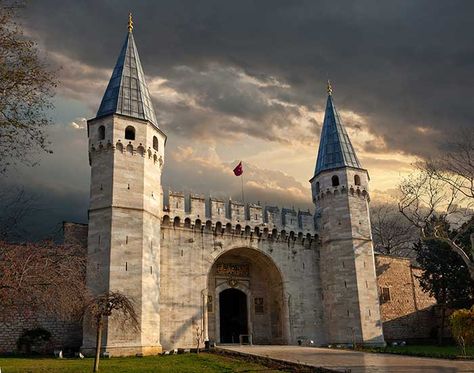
(238, 170)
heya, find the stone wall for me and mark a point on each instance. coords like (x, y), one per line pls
(187, 257)
(213, 210)
(65, 335)
(279, 265)
(407, 312)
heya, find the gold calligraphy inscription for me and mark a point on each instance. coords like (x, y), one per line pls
(232, 269)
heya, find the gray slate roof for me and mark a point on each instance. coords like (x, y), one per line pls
(335, 147)
(127, 92)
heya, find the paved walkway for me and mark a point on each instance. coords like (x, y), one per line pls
(357, 362)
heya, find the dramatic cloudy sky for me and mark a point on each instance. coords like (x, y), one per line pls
(235, 80)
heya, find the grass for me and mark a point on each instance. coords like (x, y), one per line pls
(444, 352)
(194, 363)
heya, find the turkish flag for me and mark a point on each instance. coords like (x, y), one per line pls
(238, 170)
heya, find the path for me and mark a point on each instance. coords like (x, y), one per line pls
(357, 362)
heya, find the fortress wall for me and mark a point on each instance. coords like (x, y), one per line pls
(255, 214)
(217, 209)
(187, 255)
(408, 313)
(306, 221)
(197, 207)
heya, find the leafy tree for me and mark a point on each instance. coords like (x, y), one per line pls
(26, 90)
(445, 277)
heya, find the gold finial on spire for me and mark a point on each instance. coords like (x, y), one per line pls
(329, 88)
(130, 22)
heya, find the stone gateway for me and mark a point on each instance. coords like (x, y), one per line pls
(235, 272)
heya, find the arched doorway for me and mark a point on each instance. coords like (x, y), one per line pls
(245, 296)
(233, 315)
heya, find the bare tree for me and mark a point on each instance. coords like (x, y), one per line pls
(199, 333)
(441, 190)
(15, 205)
(392, 233)
(105, 305)
(42, 277)
(26, 89)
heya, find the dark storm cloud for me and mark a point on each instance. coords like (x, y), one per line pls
(223, 101)
(402, 64)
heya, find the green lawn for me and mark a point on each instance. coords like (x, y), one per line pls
(176, 363)
(446, 352)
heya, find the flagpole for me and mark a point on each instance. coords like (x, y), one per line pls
(242, 179)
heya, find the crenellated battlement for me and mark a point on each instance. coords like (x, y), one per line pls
(353, 191)
(256, 232)
(197, 211)
(128, 149)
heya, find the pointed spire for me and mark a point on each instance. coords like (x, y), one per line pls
(335, 147)
(127, 92)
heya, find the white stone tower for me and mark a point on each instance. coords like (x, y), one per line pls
(340, 193)
(126, 152)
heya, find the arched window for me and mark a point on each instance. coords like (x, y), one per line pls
(357, 180)
(155, 143)
(317, 187)
(101, 132)
(335, 180)
(176, 221)
(130, 133)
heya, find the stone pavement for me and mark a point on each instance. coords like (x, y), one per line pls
(354, 361)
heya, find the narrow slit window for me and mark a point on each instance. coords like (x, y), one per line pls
(357, 180)
(101, 133)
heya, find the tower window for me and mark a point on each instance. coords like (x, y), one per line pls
(317, 187)
(385, 295)
(155, 143)
(130, 133)
(357, 180)
(335, 180)
(101, 133)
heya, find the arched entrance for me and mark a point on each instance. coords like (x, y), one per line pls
(245, 296)
(233, 315)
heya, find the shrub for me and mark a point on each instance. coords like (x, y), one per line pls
(32, 338)
(462, 326)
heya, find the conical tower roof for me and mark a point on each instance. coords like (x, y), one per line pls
(127, 92)
(335, 147)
